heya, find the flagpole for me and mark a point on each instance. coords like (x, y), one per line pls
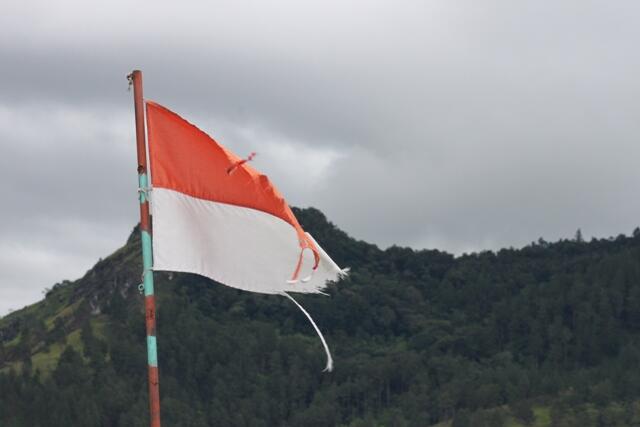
(147, 252)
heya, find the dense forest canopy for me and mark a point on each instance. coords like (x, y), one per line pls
(546, 334)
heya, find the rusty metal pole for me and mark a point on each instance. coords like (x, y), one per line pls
(135, 78)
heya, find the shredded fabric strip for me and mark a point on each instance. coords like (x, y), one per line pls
(329, 366)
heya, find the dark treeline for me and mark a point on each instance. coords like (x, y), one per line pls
(418, 337)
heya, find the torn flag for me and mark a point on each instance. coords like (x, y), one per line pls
(215, 215)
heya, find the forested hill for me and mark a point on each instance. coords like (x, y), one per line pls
(546, 334)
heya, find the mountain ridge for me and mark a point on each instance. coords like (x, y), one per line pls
(419, 336)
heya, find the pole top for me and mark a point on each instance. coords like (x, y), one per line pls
(133, 76)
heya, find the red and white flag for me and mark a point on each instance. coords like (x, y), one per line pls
(215, 215)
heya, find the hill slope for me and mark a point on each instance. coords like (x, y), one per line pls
(551, 331)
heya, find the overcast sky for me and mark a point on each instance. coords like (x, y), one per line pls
(457, 125)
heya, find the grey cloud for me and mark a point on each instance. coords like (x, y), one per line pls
(461, 125)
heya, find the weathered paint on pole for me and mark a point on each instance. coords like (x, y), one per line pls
(147, 255)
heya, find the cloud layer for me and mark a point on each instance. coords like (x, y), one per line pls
(456, 125)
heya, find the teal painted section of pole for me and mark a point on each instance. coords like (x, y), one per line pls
(147, 263)
(152, 353)
(143, 185)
